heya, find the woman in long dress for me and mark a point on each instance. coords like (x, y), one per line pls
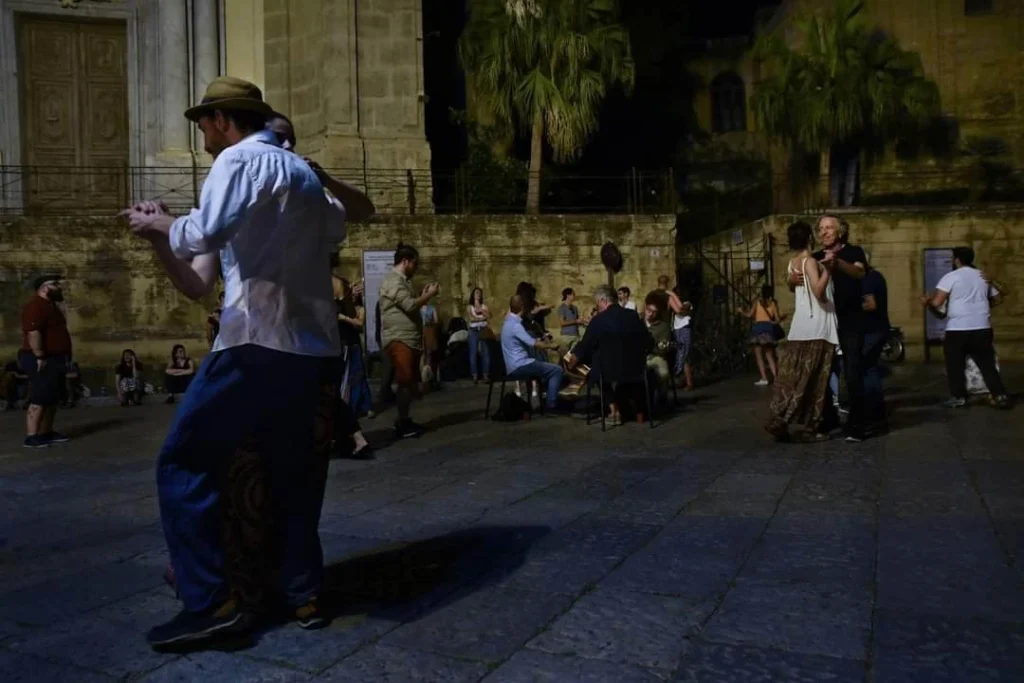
(799, 392)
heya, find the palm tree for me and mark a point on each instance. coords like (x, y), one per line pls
(546, 71)
(844, 86)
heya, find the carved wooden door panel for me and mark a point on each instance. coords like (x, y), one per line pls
(74, 113)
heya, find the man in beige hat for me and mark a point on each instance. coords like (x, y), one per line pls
(263, 215)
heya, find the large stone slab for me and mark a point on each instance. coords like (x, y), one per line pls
(710, 663)
(531, 666)
(488, 625)
(625, 627)
(383, 664)
(931, 649)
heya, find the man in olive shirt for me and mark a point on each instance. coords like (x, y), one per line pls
(402, 332)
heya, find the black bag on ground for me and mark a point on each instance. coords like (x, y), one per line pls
(512, 409)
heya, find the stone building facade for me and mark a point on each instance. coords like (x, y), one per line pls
(93, 86)
(970, 48)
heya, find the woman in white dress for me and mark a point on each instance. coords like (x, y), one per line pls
(805, 362)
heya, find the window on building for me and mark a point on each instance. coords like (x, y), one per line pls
(728, 103)
(976, 7)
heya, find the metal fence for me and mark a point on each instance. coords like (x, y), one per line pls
(96, 190)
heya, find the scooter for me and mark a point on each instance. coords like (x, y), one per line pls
(893, 349)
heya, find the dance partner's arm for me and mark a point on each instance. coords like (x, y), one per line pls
(358, 206)
(856, 270)
(817, 278)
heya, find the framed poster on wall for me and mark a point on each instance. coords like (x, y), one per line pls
(376, 264)
(937, 262)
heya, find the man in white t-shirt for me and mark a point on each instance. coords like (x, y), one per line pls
(964, 297)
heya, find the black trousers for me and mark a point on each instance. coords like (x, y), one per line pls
(978, 345)
(851, 341)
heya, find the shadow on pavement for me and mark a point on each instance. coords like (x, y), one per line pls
(403, 581)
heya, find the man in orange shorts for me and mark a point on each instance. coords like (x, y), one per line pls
(402, 332)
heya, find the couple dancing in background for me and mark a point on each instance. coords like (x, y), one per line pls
(800, 394)
(242, 473)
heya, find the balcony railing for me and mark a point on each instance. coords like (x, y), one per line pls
(94, 190)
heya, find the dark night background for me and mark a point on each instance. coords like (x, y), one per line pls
(646, 130)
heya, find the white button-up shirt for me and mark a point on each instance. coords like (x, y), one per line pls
(264, 210)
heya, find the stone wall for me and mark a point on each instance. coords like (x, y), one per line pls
(497, 252)
(350, 76)
(894, 241)
(119, 297)
(116, 293)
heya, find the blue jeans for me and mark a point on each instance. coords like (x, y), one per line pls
(544, 371)
(874, 397)
(477, 345)
(245, 391)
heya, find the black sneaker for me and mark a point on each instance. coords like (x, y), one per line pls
(55, 437)
(310, 617)
(35, 441)
(192, 628)
(1001, 402)
(409, 430)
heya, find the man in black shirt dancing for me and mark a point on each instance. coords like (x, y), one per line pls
(846, 265)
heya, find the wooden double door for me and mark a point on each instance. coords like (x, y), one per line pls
(74, 114)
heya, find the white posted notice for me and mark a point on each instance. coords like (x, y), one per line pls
(376, 265)
(937, 262)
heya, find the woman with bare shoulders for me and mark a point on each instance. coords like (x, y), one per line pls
(800, 389)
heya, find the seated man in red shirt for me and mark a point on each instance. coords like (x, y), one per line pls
(43, 357)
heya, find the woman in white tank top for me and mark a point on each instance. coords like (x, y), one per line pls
(798, 396)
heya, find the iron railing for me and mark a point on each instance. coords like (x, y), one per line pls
(102, 190)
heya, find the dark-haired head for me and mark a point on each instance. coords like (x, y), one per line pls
(963, 256)
(282, 128)
(407, 258)
(174, 352)
(567, 292)
(767, 293)
(799, 236)
(473, 298)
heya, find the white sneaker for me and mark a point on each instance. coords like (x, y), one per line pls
(761, 383)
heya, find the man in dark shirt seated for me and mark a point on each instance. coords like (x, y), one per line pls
(615, 345)
(875, 304)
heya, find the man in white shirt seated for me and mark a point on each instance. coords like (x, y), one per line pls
(519, 347)
(964, 297)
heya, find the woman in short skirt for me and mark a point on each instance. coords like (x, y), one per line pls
(764, 335)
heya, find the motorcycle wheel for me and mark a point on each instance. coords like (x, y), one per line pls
(893, 350)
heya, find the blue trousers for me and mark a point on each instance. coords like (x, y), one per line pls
(244, 391)
(544, 371)
(360, 399)
(476, 347)
(874, 394)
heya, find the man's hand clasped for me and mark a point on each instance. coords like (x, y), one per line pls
(149, 219)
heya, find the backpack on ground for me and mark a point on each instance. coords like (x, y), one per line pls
(512, 409)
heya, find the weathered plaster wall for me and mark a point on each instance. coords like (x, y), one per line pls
(497, 252)
(118, 296)
(894, 241)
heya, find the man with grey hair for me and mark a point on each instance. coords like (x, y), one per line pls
(846, 264)
(616, 342)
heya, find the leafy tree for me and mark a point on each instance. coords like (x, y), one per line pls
(546, 71)
(845, 85)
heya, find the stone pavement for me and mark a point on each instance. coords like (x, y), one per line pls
(698, 551)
